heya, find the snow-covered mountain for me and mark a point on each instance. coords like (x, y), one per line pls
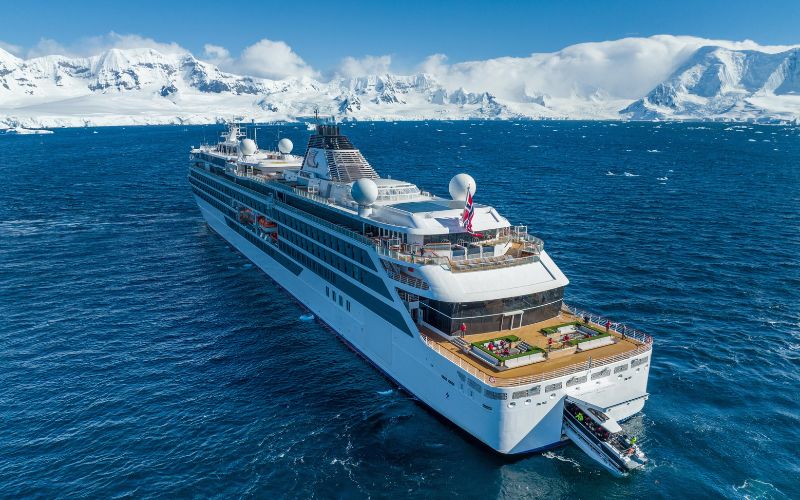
(718, 83)
(660, 77)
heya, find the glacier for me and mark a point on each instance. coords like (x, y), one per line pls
(662, 77)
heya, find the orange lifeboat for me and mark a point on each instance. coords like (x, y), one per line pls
(266, 223)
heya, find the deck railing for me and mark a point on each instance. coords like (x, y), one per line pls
(461, 266)
(408, 280)
(409, 253)
(645, 346)
(620, 328)
(322, 222)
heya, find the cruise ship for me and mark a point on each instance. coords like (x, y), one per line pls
(444, 295)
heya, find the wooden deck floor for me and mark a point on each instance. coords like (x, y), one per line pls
(533, 336)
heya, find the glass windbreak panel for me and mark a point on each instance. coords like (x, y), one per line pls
(416, 207)
(489, 234)
(491, 315)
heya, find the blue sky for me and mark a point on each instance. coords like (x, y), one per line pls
(322, 33)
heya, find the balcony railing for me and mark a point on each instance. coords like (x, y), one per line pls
(430, 253)
(646, 346)
(408, 280)
(620, 328)
(322, 222)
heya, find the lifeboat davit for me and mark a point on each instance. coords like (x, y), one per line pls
(245, 216)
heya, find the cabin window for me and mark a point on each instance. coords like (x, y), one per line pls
(553, 387)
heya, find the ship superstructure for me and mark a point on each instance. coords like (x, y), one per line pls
(469, 318)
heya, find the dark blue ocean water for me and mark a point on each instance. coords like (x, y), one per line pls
(139, 354)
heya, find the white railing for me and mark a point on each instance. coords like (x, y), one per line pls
(490, 263)
(620, 328)
(410, 253)
(457, 360)
(322, 222)
(408, 280)
(646, 346)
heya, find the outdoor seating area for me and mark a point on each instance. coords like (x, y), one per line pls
(581, 336)
(574, 342)
(508, 351)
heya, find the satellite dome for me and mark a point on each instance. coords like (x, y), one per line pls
(248, 147)
(364, 191)
(285, 146)
(459, 185)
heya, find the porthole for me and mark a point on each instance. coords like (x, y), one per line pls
(527, 402)
(512, 404)
(553, 396)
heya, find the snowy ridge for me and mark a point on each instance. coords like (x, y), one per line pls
(717, 83)
(661, 77)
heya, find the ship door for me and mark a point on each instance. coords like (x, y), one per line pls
(512, 320)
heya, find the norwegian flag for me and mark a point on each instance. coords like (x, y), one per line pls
(469, 213)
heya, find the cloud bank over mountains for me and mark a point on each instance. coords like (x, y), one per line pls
(128, 79)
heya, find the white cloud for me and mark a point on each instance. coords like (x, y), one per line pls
(368, 65)
(97, 44)
(271, 59)
(11, 48)
(265, 58)
(619, 69)
(216, 55)
(434, 64)
(46, 47)
(91, 46)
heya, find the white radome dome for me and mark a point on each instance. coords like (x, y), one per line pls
(364, 191)
(459, 185)
(248, 147)
(285, 146)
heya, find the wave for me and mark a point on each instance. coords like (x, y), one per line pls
(628, 174)
(561, 458)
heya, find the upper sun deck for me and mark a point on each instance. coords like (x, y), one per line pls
(503, 247)
(404, 223)
(626, 343)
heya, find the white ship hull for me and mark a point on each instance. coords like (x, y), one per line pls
(509, 426)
